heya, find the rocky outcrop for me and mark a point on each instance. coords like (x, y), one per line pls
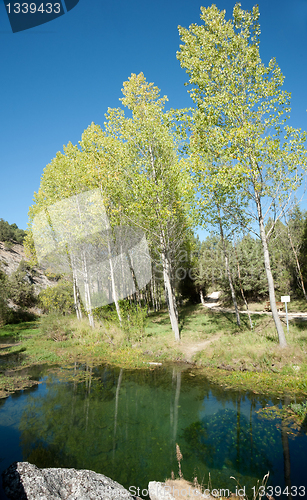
(24, 481)
(10, 260)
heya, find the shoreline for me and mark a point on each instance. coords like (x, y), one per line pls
(228, 358)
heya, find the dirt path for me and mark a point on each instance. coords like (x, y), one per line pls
(212, 302)
(189, 350)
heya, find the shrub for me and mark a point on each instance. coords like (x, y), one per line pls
(20, 289)
(133, 318)
(55, 327)
(25, 266)
(4, 310)
(57, 299)
(8, 245)
(299, 408)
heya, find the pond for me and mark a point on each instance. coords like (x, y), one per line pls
(126, 423)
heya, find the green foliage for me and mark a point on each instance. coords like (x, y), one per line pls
(20, 289)
(4, 309)
(210, 268)
(57, 299)
(136, 166)
(214, 440)
(133, 318)
(185, 270)
(55, 326)
(295, 229)
(8, 245)
(3, 277)
(250, 258)
(238, 99)
(10, 232)
(246, 159)
(281, 258)
(25, 266)
(158, 194)
(303, 251)
(299, 408)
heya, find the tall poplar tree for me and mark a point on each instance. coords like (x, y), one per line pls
(158, 188)
(240, 137)
(64, 177)
(86, 174)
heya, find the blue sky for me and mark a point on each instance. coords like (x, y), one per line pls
(59, 77)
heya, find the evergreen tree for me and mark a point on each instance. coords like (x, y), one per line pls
(10, 232)
(21, 289)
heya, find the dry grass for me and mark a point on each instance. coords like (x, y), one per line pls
(181, 489)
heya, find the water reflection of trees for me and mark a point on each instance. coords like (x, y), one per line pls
(111, 422)
(222, 442)
(125, 424)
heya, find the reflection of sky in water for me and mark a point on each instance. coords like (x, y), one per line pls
(125, 424)
(211, 405)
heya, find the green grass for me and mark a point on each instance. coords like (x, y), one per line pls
(236, 357)
(297, 305)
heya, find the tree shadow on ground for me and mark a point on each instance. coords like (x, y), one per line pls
(300, 323)
(13, 330)
(229, 320)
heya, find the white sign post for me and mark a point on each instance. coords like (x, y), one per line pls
(285, 299)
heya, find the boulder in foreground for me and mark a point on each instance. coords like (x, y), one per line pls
(24, 481)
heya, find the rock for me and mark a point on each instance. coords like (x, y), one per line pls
(24, 481)
(10, 260)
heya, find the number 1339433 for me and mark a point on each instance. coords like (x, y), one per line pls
(277, 491)
(32, 8)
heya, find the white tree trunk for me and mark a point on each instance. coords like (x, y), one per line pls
(153, 299)
(241, 288)
(86, 278)
(170, 296)
(266, 255)
(76, 299)
(155, 295)
(88, 304)
(116, 408)
(232, 290)
(77, 303)
(176, 404)
(114, 294)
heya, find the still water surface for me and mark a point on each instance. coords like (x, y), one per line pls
(126, 423)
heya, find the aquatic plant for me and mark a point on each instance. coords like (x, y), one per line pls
(299, 408)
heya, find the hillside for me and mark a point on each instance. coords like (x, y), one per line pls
(10, 260)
